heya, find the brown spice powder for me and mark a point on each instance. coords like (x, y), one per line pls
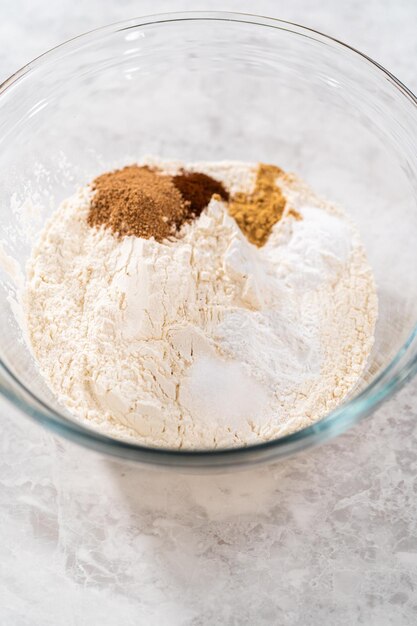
(295, 214)
(143, 202)
(137, 201)
(197, 189)
(140, 201)
(257, 212)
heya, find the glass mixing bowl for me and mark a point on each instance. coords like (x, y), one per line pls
(214, 86)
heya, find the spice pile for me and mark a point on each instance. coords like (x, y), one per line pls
(142, 202)
(199, 305)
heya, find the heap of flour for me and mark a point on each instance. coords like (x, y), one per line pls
(204, 340)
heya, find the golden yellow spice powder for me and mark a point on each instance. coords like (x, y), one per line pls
(257, 212)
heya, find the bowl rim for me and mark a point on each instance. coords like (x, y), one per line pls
(336, 422)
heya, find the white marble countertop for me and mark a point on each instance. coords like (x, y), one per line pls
(328, 537)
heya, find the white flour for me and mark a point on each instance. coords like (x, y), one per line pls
(207, 341)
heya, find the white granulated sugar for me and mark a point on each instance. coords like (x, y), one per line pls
(206, 341)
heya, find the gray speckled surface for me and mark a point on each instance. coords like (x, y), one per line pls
(328, 537)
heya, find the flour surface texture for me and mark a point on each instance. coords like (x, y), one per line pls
(205, 340)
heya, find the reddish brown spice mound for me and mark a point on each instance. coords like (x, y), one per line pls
(197, 190)
(137, 201)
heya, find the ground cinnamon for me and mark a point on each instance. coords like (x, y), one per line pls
(137, 201)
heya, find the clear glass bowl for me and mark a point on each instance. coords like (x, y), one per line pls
(214, 86)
